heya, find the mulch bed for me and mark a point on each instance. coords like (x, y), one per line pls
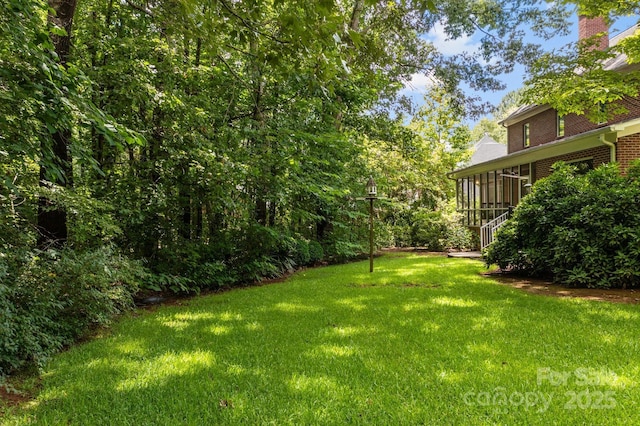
(540, 286)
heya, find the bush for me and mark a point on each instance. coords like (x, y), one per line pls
(402, 235)
(316, 252)
(192, 266)
(50, 298)
(439, 230)
(343, 251)
(301, 255)
(583, 229)
(234, 257)
(428, 230)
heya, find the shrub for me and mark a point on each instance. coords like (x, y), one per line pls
(439, 230)
(234, 257)
(192, 266)
(316, 252)
(50, 298)
(583, 229)
(343, 251)
(301, 255)
(428, 230)
(402, 235)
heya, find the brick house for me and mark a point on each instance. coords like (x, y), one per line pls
(538, 137)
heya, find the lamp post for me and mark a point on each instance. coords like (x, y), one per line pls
(372, 192)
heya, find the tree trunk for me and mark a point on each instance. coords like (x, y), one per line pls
(185, 200)
(261, 189)
(61, 14)
(52, 220)
(354, 25)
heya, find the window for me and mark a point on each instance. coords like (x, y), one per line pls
(526, 138)
(560, 126)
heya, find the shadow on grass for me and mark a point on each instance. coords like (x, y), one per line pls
(408, 344)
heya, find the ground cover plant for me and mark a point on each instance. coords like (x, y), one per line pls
(422, 340)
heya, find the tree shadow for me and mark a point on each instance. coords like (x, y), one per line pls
(398, 347)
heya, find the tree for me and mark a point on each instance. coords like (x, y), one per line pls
(576, 80)
(254, 114)
(52, 219)
(508, 104)
(489, 126)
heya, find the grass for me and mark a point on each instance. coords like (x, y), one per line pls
(422, 340)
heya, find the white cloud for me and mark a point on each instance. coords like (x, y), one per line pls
(419, 83)
(448, 46)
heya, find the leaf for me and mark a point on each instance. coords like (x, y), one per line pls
(346, 67)
(59, 31)
(356, 38)
(431, 6)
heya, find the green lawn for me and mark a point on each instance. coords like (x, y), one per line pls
(422, 340)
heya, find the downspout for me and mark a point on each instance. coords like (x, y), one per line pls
(611, 145)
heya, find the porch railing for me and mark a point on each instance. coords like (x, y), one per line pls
(476, 217)
(488, 231)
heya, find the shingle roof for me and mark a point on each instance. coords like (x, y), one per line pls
(486, 149)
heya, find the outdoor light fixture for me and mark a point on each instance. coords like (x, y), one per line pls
(372, 190)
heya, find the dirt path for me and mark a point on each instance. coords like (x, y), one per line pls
(538, 286)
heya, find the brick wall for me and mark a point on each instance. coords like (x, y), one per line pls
(542, 127)
(627, 150)
(600, 155)
(575, 124)
(514, 138)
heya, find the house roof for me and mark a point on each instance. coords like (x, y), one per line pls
(486, 149)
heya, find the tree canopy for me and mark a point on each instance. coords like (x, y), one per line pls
(577, 79)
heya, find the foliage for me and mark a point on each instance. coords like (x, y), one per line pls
(554, 80)
(50, 298)
(489, 127)
(342, 251)
(439, 230)
(508, 104)
(217, 142)
(582, 228)
(301, 254)
(316, 252)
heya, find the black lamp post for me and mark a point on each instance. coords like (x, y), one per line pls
(372, 192)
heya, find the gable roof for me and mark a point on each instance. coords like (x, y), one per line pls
(486, 149)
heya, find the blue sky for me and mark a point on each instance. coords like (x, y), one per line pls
(416, 87)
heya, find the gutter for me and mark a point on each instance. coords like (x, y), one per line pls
(607, 135)
(580, 142)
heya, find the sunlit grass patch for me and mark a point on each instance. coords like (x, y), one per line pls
(338, 345)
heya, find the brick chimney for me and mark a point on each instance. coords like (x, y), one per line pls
(589, 27)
